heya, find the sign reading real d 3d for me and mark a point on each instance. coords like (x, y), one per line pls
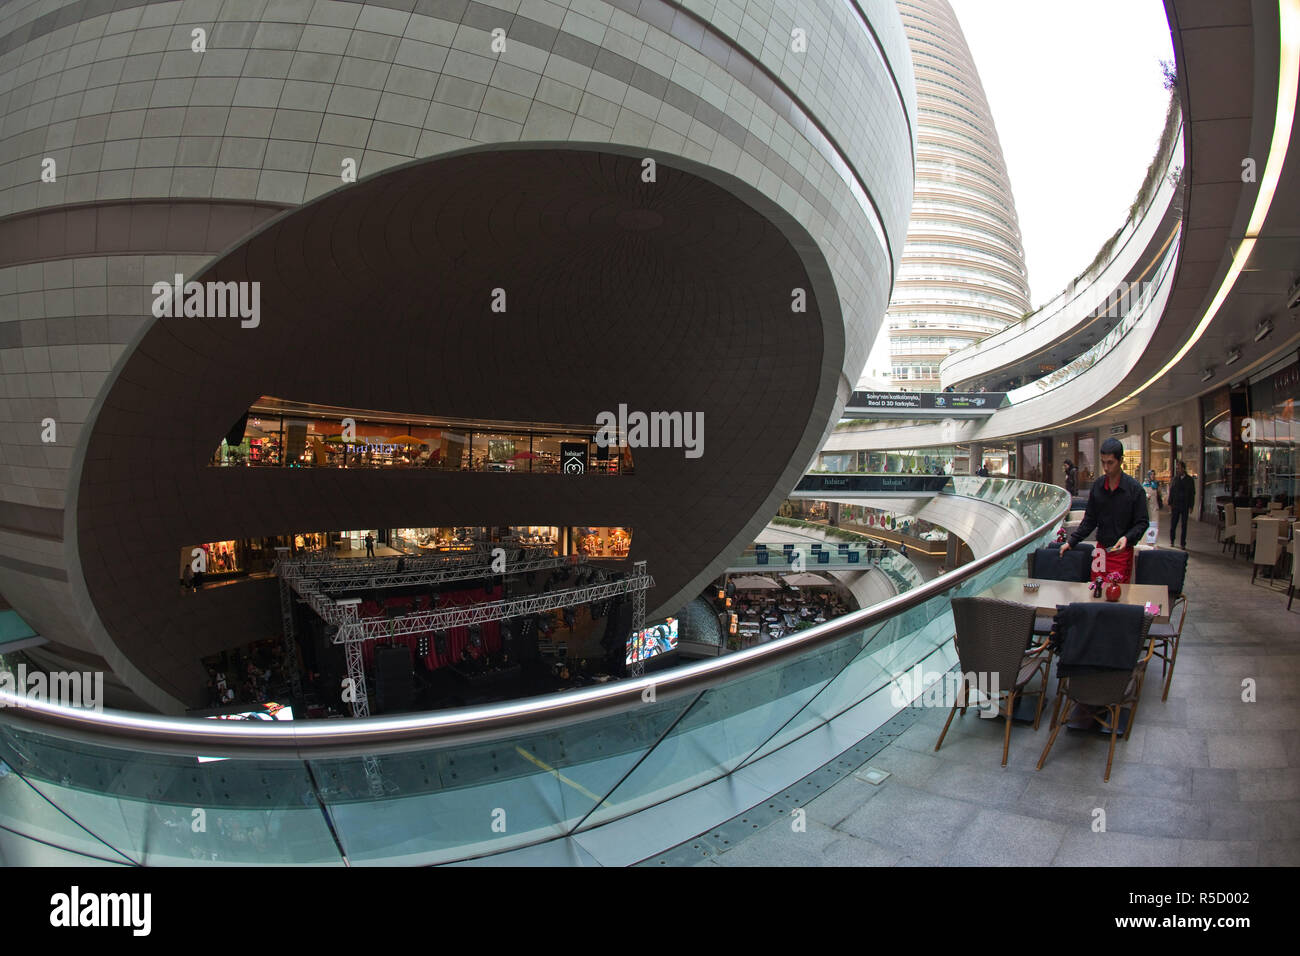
(925, 401)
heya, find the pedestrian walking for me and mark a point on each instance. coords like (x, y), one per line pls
(1182, 496)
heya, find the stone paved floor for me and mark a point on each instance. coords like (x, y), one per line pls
(1205, 778)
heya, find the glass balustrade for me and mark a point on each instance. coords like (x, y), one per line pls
(543, 768)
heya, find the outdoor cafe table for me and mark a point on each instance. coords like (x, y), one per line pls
(1052, 593)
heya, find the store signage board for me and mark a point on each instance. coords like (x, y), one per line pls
(573, 458)
(1119, 429)
(923, 404)
(1286, 383)
(875, 486)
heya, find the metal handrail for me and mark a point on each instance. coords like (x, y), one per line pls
(378, 735)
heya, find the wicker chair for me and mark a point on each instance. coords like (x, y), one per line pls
(991, 640)
(1113, 690)
(1165, 639)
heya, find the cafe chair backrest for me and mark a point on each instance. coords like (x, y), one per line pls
(1267, 549)
(1107, 687)
(1244, 533)
(1048, 564)
(1161, 567)
(992, 636)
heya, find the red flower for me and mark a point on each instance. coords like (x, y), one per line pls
(1115, 577)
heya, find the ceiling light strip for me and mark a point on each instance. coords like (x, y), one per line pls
(1288, 84)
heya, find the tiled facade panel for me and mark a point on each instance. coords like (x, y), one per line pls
(288, 91)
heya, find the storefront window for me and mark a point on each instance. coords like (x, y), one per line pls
(213, 558)
(1132, 461)
(1165, 446)
(319, 440)
(499, 451)
(1032, 461)
(602, 542)
(1274, 458)
(999, 461)
(1085, 461)
(428, 540)
(537, 535)
(841, 462)
(915, 461)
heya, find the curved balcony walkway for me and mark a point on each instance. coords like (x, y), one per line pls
(1205, 779)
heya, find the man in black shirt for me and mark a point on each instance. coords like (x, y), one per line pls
(1117, 510)
(1182, 495)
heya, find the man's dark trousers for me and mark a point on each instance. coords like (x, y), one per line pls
(1175, 516)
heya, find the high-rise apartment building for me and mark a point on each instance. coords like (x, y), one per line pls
(963, 270)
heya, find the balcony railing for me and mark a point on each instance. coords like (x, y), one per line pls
(437, 787)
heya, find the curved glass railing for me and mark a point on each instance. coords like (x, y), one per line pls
(1139, 319)
(1078, 303)
(427, 788)
(1138, 309)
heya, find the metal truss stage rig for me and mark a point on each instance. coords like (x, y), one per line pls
(311, 579)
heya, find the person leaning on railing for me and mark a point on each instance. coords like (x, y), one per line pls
(1117, 510)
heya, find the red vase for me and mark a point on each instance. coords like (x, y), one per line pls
(1112, 592)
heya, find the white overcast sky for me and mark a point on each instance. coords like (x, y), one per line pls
(1076, 94)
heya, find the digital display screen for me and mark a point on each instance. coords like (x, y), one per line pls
(659, 639)
(268, 711)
